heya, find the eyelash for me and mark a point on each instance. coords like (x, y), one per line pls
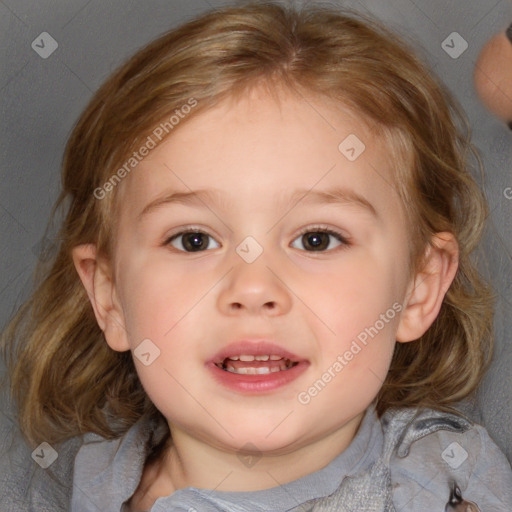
(344, 242)
(187, 230)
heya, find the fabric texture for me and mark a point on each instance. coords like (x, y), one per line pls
(410, 459)
(24, 485)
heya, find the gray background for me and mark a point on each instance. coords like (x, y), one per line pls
(42, 98)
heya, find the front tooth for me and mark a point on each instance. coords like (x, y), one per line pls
(250, 371)
(262, 358)
(246, 358)
(247, 371)
(261, 370)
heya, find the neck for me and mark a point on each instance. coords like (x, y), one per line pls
(192, 462)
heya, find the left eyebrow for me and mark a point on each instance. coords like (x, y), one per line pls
(337, 195)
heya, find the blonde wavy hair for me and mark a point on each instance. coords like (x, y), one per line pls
(65, 379)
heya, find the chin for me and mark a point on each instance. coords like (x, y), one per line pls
(266, 438)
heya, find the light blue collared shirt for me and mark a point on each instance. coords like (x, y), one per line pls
(409, 460)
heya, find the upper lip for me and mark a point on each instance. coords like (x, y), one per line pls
(254, 348)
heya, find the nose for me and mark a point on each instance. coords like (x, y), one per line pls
(254, 289)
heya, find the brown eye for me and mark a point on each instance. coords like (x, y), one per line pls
(319, 240)
(316, 241)
(192, 241)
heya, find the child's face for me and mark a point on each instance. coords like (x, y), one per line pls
(264, 167)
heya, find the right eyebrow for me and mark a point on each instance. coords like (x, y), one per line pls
(197, 197)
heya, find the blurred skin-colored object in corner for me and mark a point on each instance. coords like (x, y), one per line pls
(493, 75)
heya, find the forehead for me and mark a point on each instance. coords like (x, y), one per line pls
(265, 146)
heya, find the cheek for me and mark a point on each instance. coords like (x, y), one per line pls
(356, 295)
(361, 306)
(155, 299)
(161, 307)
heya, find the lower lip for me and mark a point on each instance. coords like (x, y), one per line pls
(255, 384)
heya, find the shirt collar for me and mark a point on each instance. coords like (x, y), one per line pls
(107, 473)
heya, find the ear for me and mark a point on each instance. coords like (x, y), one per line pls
(428, 287)
(96, 276)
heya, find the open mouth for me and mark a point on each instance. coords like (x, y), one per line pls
(253, 367)
(256, 364)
